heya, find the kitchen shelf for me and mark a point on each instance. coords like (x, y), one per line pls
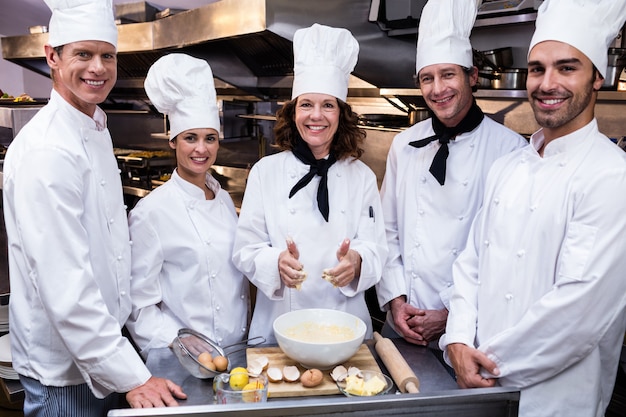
(481, 22)
(496, 94)
(258, 117)
(505, 20)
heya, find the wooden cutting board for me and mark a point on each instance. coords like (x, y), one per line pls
(362, 359)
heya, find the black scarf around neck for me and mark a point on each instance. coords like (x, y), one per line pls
(317, 167)
(445, 134)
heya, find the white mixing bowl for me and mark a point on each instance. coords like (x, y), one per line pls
(319, 338)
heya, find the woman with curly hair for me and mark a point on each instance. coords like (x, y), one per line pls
(308, 235)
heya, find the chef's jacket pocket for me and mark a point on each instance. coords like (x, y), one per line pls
(577, 247)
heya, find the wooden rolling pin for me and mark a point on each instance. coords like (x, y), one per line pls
(400, 371)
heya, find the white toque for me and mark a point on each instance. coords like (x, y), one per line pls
(444, 31)
(81, 20)
(588, 25)
(324, 57)
(182, 88)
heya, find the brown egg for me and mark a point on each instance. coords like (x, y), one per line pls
(205, 359)
(210, 366)
(221, 363)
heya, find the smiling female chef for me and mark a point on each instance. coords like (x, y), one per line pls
(183, 231)
(311, 210)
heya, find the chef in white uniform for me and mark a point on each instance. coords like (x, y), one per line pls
(540, 292)
(428, 212)
(69, 248)
(183, 231)
(314, 206)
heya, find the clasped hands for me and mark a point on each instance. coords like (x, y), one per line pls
(415, 325)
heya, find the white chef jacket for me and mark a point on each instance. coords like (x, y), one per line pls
(540, 287)
(182, 271)
(69, 254)
(268, 217)
(426, 223)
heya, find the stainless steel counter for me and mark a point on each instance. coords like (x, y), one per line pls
(439, 395)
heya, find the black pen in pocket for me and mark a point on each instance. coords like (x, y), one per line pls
(372, 214)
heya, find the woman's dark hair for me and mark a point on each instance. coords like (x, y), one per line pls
(347, 140)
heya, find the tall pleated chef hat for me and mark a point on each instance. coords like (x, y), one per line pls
(182, 88)
(324, 57)
(81, 20)
(588, 25)
(444, 31)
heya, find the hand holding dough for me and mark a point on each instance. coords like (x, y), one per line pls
(291, 271)
(348, 268)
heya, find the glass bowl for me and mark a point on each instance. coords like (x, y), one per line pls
(240, 387)
(366, 384)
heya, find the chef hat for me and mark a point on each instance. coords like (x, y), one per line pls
(324, 57)
(182, 88)
(81, 20)
(588, 25)
(444, 30)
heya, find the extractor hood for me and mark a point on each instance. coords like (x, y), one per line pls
(248, 44)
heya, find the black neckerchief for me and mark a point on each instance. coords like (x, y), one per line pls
(445, 134)
(317, 167)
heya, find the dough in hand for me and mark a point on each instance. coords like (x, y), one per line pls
(328, 277)
(303, 276)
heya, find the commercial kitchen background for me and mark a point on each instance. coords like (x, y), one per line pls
(248, 44)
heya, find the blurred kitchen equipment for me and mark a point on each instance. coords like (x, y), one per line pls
(384, 120)
(507, 79)
(135, 12)
(500, 58)
(417, 114)
(144, 169)
(484, 79)
(616, 63)
(491, 7)
(400, 371)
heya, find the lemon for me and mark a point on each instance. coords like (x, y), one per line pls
(250, 392)
(238, 378)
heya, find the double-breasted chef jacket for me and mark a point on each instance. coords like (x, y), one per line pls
(183, 275)
(268, 217)
(426, 223)
(69, 296)
(540, 288)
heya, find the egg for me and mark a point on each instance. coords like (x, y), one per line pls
(205, 359)
(221, 363)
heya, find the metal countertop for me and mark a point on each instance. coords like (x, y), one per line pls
(439, 395)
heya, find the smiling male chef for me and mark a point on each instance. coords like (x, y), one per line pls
(540, 291)
(435, 175)
(69, 249)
